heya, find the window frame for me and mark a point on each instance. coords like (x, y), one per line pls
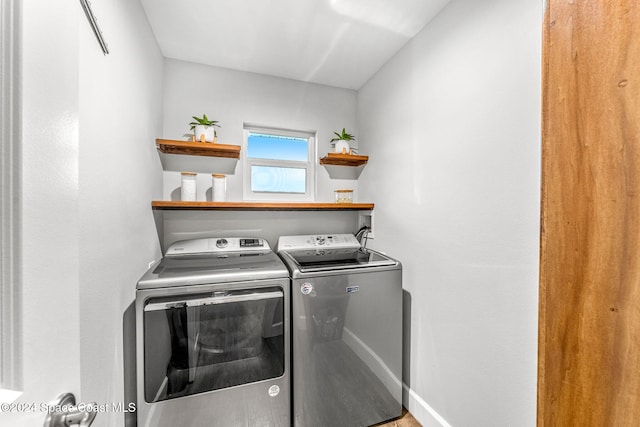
(309, 165)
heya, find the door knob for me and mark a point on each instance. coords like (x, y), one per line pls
(65, 413)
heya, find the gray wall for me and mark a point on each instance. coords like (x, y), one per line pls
(236, 97)
(452, 128)
(266, 224)
(451, 125)
(119, 175)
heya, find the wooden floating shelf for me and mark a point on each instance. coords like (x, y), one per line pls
(338, 159)
(202, 157)
(208, 149)
(335, 164)
(258, 206)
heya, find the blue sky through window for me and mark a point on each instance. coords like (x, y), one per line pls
(274, 147)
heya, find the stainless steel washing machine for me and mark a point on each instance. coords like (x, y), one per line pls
(347, 331)
(212, 323)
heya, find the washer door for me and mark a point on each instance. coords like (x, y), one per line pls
(210, 341)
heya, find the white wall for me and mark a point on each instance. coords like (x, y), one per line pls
(452, 128)
(235, 97)
(120, 173)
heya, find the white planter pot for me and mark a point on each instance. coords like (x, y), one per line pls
(204, 132)
(342, 147)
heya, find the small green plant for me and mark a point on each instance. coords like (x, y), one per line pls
(344, 136)
(204, 121)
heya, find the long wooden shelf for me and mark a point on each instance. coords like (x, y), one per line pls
(338, 159)
(169, 146)
(258, 206)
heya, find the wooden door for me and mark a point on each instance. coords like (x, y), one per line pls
(589, 342)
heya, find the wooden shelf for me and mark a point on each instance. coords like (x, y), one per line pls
(202, 157)
(259, 206)
(338, 159)
(169, 146)
(335, 164)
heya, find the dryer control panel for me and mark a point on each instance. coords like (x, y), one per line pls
(217, 245)
(318, 241)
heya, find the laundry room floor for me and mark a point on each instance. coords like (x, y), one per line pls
(406, 420)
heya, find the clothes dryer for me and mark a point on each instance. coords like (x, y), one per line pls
(212, 322)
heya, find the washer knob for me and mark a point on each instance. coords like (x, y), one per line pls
(222, 243)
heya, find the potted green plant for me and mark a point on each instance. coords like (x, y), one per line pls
(204, 129)
(341, 141)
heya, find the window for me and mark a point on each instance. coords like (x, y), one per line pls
(278, 165)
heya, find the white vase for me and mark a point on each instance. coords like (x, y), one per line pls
(342, 147)
(204, 133)
(218, 187)
(188, 190)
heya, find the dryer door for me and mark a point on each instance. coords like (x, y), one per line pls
(209, 341)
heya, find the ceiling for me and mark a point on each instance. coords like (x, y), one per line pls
(339, 43)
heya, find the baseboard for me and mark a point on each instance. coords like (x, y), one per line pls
(421, 411)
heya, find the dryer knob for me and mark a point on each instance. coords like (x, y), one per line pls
(222, 243)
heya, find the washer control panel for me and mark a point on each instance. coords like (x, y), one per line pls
(218, 245)
(318, 241)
